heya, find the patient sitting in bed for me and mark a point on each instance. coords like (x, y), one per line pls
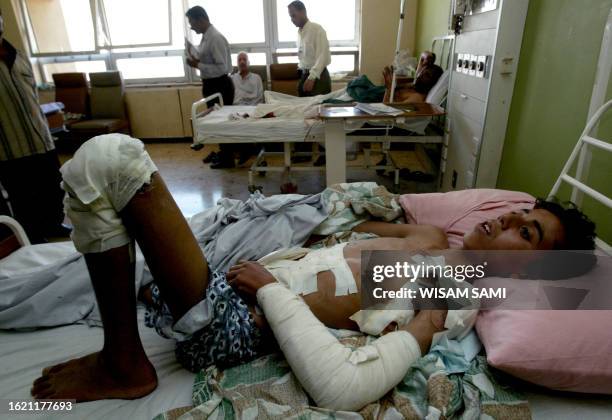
(116, 195)
(426, 77)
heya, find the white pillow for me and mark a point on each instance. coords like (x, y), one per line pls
(438, 92)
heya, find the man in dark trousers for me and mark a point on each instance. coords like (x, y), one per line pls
(213, 58)
(29, 166)
(313, 53)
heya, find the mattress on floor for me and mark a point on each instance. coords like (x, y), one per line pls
(24, 354)
(217, 126)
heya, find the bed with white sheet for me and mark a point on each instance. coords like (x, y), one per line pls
(24, 353)
(288, 119)
(238, 124)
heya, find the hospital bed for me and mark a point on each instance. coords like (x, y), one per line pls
(222, 124)
(24, 353)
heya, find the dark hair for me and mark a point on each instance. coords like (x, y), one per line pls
(297, 5)
(579, 230)
(197, 12)
(576, 257)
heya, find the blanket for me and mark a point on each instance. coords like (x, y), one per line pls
(266, 388)
(48, 285)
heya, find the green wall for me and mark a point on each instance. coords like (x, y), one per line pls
(432, 20)
(553, 88)
(551, 98)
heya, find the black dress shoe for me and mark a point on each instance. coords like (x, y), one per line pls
(211, 156)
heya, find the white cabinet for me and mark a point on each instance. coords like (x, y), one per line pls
(482, 83)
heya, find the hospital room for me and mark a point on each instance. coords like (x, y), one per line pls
(326, 209)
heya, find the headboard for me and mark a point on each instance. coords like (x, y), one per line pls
(587, 142)
(442, 46)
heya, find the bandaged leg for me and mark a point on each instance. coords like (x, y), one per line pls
(109, 207)
(335, 376)
(102, 177)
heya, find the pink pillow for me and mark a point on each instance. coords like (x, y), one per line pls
(564, 350)
(457, 212)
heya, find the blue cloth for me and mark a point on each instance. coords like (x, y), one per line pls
(457, 356)
(229, 339)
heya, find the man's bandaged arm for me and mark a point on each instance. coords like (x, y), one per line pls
(335, 376)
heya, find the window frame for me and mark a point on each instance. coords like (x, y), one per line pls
(31, 36)
(292, 44)
(104, 22)
(114, 56)
(272, 47)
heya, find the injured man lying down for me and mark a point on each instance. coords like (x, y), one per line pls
(114, 195)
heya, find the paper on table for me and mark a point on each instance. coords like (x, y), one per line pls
(378, 109)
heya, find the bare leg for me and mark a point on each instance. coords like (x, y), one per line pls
(121, 369)
(169, 247)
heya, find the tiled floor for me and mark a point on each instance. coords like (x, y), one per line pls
(196, 187)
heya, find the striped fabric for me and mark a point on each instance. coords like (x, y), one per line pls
(23, 128)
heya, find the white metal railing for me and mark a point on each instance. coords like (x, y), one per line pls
(18, 231)
(195, 113)
(585, 142)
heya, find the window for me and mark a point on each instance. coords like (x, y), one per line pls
(144, 39)
(151, 68)
(338, 17)
(136, 22)
(60, 26)
(244, 24)
(73, 66)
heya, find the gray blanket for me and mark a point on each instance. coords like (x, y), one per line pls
(55, 288)
(248, 230)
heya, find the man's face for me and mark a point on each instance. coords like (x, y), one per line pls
(196, 25)
(424, 59)
(536, 229)
(243, 62)
(297, 17)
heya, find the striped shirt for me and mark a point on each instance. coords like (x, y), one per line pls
(23, 127)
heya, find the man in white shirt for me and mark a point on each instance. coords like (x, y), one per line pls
(248, 90)
(213, 58)
(248, 87)
(313, 53)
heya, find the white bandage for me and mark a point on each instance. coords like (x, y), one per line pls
(100, 180)
(335, 376)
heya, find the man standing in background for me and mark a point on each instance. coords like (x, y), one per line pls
(213, 58)
(29, 166)
(313, 53)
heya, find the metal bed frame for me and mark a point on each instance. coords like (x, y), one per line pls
(442, 46)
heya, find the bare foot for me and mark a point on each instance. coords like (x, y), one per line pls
(93, 377)
(424, 325)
